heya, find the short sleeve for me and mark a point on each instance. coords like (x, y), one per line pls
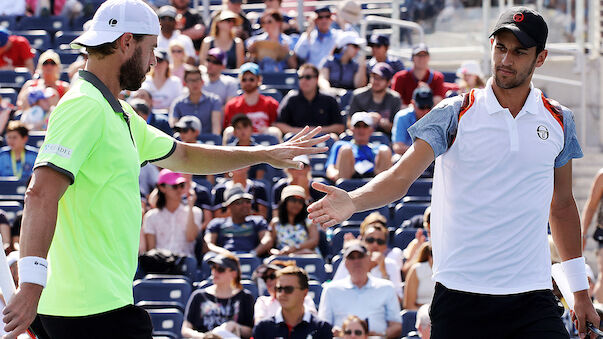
(302, 48)
(260, 225)
(231, 89)
(245, 317)
(148, 223)
(399, 133)
(151, 143)
(437, 85)
(438, 126)
(333, 154)
(324, 309)
(335, 112)
(571, 147)
(216, 105)
(74, 128)
(191, 313)
(214, 225)
(392, 308)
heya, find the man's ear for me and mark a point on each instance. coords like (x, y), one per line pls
(125, 42)
(541, 57)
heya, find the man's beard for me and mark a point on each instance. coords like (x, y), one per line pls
(131, 75)
(520, 77)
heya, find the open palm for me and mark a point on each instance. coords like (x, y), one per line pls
(334, 208)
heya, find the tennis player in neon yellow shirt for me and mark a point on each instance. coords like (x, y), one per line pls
(85, 182)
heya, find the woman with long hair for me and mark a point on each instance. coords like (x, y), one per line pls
(178, 58)
(419, 287)
(292, 230)
(172, 225)
(225, 303)
(164, 87)
(222, 36)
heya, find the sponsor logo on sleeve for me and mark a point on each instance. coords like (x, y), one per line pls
(57, 149)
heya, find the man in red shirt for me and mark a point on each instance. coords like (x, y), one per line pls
(406, 81)
(259, 108)
(15, 51)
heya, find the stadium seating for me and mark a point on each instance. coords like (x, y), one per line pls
(265, 139)
(10, 208)
(167, 320)
(273, 93)
(420, 188)
(376, 138)
(8, 21)
(67, 58)
(314, 264)
(176, 290)
(359, 216)
(164, 335)
(9, 94)
(251, 287)
(201, 180)
(210, 139)
(12, 188)
(49, 24)
(337, 238)
(318, 162)
(36, 138)
(408, 321)
(248, 264)
(38, 39)
(403, 237)
(281, 80)
(405, 211)
(314, 291)
(65, 38)
(188, 267)
(351, 184)
(14, 78)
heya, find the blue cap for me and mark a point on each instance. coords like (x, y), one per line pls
(37, 94)
(249, 67)
(378, 40)
(423, 97)
(383, 70)
(322, 9)
(4, 34)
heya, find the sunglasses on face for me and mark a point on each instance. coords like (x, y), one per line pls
(214, 61)
(49, 62)
(248, 80)
(218, 269)
(178, 186)
(356, 332)
(270, 276)
(297, 200)
(285, 289)
(232, 21)
(371, 240)
(177, 51)
(306, 77)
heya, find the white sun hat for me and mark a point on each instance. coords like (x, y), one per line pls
(116, 17)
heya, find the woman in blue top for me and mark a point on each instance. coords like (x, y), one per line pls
(340, 70)
(276, 59)
(17, 159)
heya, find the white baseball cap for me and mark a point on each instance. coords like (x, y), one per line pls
(110, 22)
(362, 117)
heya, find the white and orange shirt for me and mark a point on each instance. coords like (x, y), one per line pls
(492, 189)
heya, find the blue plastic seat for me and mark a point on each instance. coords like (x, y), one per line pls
(65, 38)
(280, 80)
(9, 94)
(408, 321)
(248, 263)
(210, 139)
(189, 267)
(375, 138)
(314, 265)
(38, 39)
(405, 211)
(167, 320)
(48, 23)
(8, 21)
(68, 56)
(273, 93)
(449, 76)
(12, 188)
(403, 237)
(359, 216)
(201, 180)
(14, 78)
(265, 139)
(420, 188)
(36, 138)
(11, 209)
(177, 290)
(351, 184)
(337, 238)
(251, 287)
(314, 291)
(318, 162)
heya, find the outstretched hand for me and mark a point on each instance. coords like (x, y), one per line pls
(281, 155)
(336, 207)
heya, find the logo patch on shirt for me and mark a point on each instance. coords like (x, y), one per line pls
(543, 132)
(57, 149)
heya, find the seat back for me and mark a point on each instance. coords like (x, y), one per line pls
(314, 265)
(178, 290)
(9, 94)
(248, 263)
(167, 320)
(12, 188)
(14, 78)
(46, 23)
(36, 138)
(11, 209)
(408, 321)
(251, 287)
(405, 211)
(318, 162)
(337, 238)
(403, 237)
(314, 291)
(38, 39)
(210, 139)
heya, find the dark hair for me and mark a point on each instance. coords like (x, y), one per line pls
(300, 218)
(240, 118)
(275, 14)
(161, 199)
(354, 319)
(301, 274)
(19, 127)
(237, 280)
(108, 48)
(310, 66)
(188, 70)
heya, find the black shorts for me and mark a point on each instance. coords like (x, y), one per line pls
(531, 315)
(128, 322)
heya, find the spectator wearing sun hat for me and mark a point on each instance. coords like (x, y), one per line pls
(47, 75)
(470, 76)
(15, 51)
(377, 98)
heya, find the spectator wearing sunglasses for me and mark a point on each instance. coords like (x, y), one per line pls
(177, 56)
(167, 19)
(384, 263)
(273, 49)
(47, 75)
(223, 86)
(354, 328)
(222, 36)
(309, 106)
(292, 320)
(172, 225)
(266, 306)
(361, 294)
(315, 44)
(223, 306)
(291, 230)
(419, 287)
(204, 106)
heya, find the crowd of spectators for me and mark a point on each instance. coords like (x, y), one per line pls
(192, 95)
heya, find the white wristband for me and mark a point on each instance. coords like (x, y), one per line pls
(33, 270)
(575, 271)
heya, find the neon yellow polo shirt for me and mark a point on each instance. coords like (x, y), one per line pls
(93, 255)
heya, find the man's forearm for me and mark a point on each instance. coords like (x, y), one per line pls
(393, 330)
(565, 228)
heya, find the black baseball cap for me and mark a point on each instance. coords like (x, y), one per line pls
(526, 24)
(378, 40)
(423, 97)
